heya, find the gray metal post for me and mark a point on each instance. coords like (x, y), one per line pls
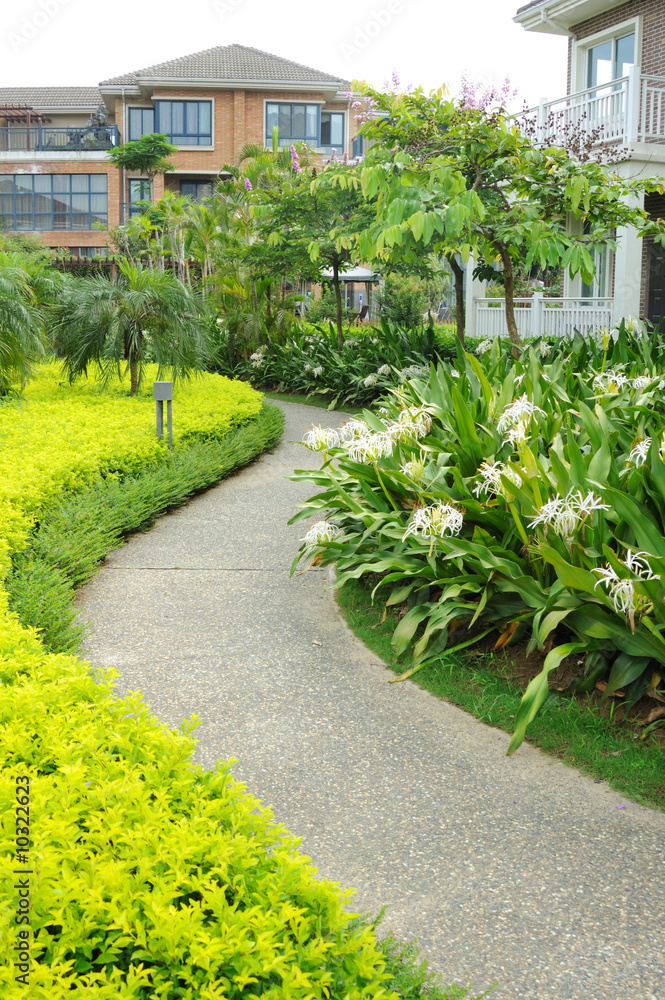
(160, 419)
(162, 392)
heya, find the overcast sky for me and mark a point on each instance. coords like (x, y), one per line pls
(428, 42)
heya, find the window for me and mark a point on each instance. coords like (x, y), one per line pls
(88, 252)
(196, 190)
(185, 123)
(610, 60)
(47, 202)
(139, 192)
(295, 122)
(141, 122)
(332, 129)
(305, 123)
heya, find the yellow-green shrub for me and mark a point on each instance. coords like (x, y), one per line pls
(152, 878)
(60, 437)
(149, 878)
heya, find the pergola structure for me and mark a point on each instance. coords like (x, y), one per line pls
(21, 114)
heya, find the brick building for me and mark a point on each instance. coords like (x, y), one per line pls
(55, 175)
(616, 82)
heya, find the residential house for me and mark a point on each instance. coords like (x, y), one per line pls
(616, 90)
(56, 178)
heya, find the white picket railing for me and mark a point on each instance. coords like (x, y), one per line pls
(625, 111)
(543, 317)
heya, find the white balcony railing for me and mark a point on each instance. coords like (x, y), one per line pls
(541, 317)
(626, 111)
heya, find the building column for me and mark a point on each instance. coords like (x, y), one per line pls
(628, 269)
(157, 188)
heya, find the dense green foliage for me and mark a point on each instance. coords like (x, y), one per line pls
(369, 361)
(512, 497)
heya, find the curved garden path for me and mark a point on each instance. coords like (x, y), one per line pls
(516, 869)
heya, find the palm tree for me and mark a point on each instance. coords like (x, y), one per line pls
(26, 285)
(141, 316)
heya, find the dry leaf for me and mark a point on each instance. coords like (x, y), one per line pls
(655, 713)
(506, 636)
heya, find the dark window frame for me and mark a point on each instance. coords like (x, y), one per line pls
(190, 138)
(67, 200)
(143, 131)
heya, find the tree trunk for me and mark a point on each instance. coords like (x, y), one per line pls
(255, 308)
(133, 374)
(509, 287)
(338, 303)
(459, 299)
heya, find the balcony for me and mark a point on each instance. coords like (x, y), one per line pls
(623, 113)
(543, 317)
(15, 140)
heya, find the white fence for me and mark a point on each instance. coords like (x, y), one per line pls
(625, 111)
(541, 317)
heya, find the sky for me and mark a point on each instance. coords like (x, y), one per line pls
(427, 42)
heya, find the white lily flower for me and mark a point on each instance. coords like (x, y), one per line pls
(352, 430)
(454, 372)
(517, 434)
(519, 410)
(622, 589)
(639, 453)
(491, 473)
(641, 382)
(317, 372)
(439, 519)
(483, 347)
(418, 419)
(257, 359)
(384, 370)
(321, 439)
(610, 381)
(307, 369)
(320, 533)
(545, 350)
(413, 470)
(371, 448)
(565, 514)
(370, 381)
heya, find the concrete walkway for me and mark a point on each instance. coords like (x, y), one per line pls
(512, 869)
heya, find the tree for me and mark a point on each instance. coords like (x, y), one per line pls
(27, 285)
(143, 315)
(459, 179)
(148, 155)
(310, 225)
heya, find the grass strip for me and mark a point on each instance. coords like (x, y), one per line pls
(570, 729)
(76, 534)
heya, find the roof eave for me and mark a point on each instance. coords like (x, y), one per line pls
(217, 83)
(558, 17)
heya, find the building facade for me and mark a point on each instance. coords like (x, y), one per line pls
(616, 90)
(56, 178)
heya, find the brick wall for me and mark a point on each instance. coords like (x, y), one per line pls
(652, 13)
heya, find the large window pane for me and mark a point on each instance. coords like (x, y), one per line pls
(6, 204)
(43, 223)
(600, 64)
(42, 183)
(285, 120)
(61, 182)
(205, 117)
(178, 117)
(80, 182)
(312, 121)
(272, 117)
(625, 55)
(298, 122)
(332, 129)
(99, 182)
(38, 209)
(164, 117)
(6, 185)
(192, 113)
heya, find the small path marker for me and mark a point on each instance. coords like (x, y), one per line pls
(162, 392)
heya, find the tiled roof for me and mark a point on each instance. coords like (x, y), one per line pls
(51, 97)
(229, 62)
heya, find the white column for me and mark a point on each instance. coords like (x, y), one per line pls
(633, 87)
(537, 314)
(628, 270)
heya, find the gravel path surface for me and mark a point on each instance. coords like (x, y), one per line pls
(518, 869)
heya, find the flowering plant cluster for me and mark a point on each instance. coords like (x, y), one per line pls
(520, 499)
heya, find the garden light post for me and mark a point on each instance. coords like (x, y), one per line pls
(162, 392)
